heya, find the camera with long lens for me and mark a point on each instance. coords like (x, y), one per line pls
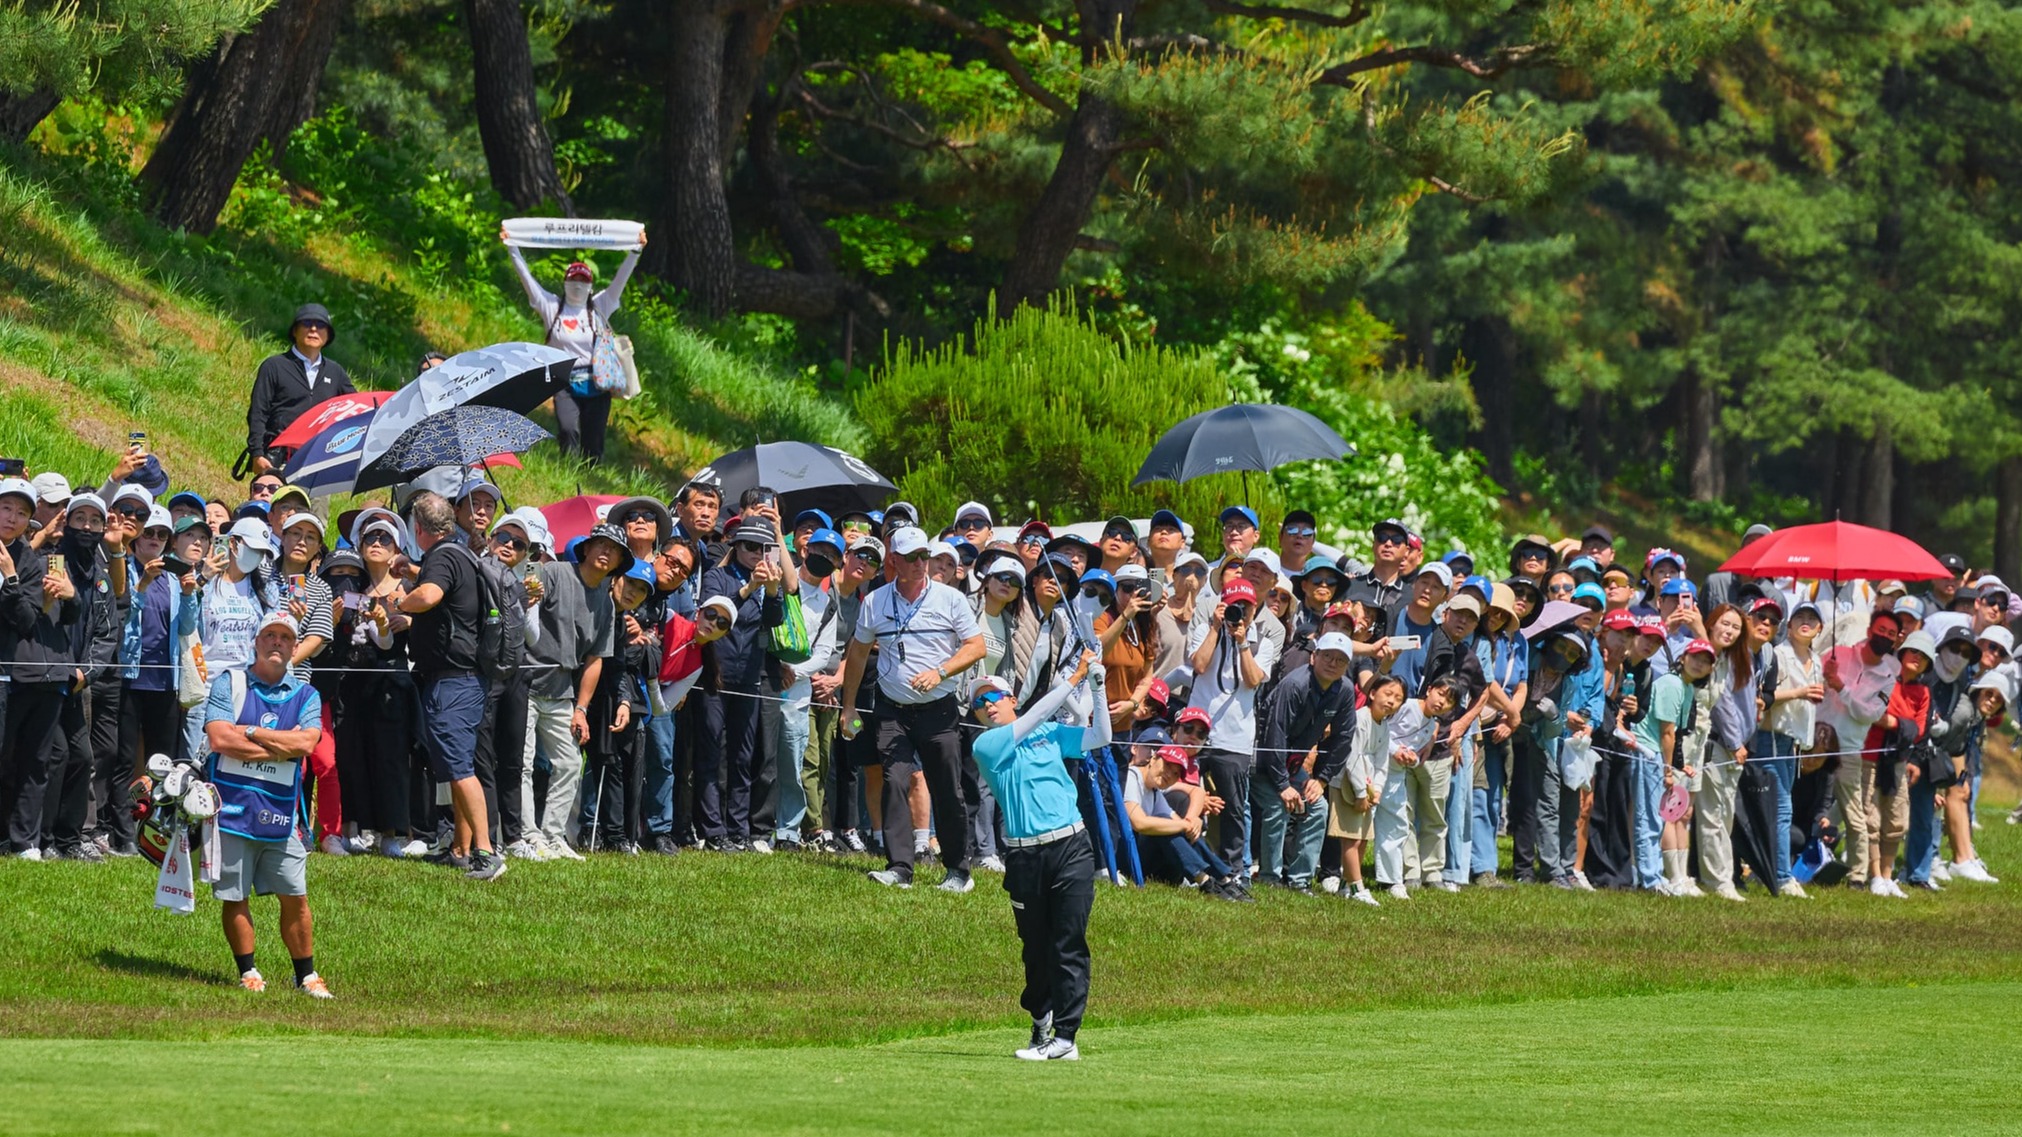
(1235, 615)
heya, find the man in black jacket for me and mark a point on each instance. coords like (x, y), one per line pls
(35, 610)
(291, 382)
(1303, 739)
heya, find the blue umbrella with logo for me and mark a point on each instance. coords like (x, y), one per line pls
(328, 463)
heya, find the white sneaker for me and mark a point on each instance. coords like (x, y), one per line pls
(364, 842)
(563, 851)
(1361, 893)
(1399, 892)
(1445, 886)
(1877, 886)
(1896, 890)
(1580, 882)
(991, 863)
(761, 845)
(1331, 885)
(29, 854)
(958, 884)
(335, 846)
(1974, 871)
(891, 879)
(1689, 887)
(1794, 891)
(1055, 1050)
(1940, 871)
(521, 850)
(1725, 890)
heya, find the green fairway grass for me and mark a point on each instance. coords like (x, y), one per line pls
(1926, 1060)
(787, 994)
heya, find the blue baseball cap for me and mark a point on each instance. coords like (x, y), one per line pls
(1242, 511)
(1101, 577)
(821, 519)
(824, 536)
(186, 497)
(1320, 564)
(1458, 555)
(1583, 564)
(1480, 584)
(641, 570)
(1590, 592)
(1167, 517)
(1677, 586)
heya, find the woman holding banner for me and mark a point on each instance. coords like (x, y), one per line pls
(579, 322)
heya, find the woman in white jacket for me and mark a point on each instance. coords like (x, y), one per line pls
(572, 323)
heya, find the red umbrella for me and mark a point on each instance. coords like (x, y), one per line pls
(576, 516)
(1835, 550)
(312, 421)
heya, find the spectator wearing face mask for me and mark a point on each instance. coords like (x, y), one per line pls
(572, 323)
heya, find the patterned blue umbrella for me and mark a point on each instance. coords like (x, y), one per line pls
(458, 436)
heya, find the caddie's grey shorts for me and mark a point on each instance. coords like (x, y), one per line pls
(270, 868)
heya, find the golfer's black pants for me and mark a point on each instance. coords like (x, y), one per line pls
(1526, 789)
(502, 756)
(1227, 775)
(1611, 857)
(1052, 888)
(28, 751)
(924, 737)
(581, 421)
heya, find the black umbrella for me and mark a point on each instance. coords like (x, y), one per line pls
(515, 376)
(458, 436)
(804, 475)
(1241, 436)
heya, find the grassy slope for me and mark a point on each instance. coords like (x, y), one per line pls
(108, 323)
(1707, 1063)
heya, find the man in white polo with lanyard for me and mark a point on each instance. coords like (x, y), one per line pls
(927, 635)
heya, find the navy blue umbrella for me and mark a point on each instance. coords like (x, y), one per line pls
(328, 462)
(458, 436)
(1241, 436)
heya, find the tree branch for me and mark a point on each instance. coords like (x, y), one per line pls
(1357, 13)
(991, 40)
(1495, 63)
(1446, 187)
(820, 109)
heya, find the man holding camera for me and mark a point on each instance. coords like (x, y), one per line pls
(260, 723)
(1231, 658)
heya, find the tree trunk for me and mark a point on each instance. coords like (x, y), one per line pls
(1878, 479)
(306, 47)
(242, 92)
(517, 149)
(2008, 519)
(1050, 230)
(746, 40)
(1494, 383)
(1592, 434)
(1699, 458)
(19, 114)
(697, 253)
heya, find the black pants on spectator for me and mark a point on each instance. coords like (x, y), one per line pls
(614, 784)
(723, 764)
(924, 737)
(375, 753)
(1526, 787)
(1227, 776)
(502, 756)
(1611, 856)
(1052, 889)
(765, 771)
(581, 422)
(27, 753)
(70, 774)
(111, 763)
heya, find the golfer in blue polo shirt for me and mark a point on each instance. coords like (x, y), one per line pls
(1049, 869)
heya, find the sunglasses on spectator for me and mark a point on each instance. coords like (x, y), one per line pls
(376, 539)
(132, 514)
(866, 556)
(1389, 539)
(988, 697)
(265, 487)
(158, 534)
(1195, 571)
(1561, 589)
(1006, 579)
(505, 541)
(639, 515)
(1190, 728)
(1119, 534)
(968, 523)
(1034, 539)
(713, 617)
(913, 558)
(1299, 531)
